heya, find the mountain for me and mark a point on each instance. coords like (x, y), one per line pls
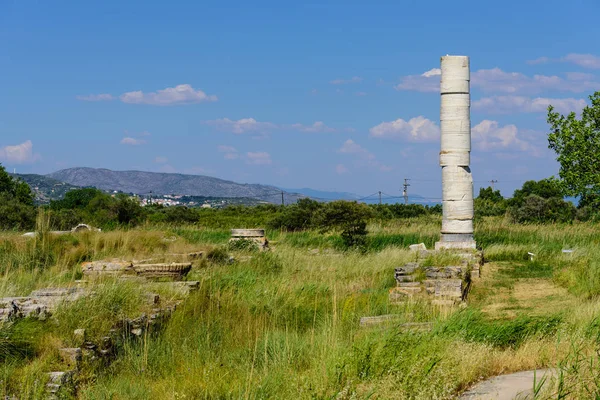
(44, 187)
(324, 195)
(140, 182)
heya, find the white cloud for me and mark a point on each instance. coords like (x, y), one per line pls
(132, 141)
(490, 136)
(258, 158)
(317, 127)
(341, 169)
(180, 94)
(350, 147)
(231, 153)
(161, 160)
(240, 126)
(497, 80)
(250, 125)
(96, 97)
(363, 156)
(18, 154)
(354, 79)
(360, 94)
(428, 81)
(432, 72)
(514, 104)
(539, 60)
(418, 129)
(583, 60)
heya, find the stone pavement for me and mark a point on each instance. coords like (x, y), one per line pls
(508, 387)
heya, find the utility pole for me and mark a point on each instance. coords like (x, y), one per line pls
(492, 182)
(282, 202)
(380, 197)
(405, 190)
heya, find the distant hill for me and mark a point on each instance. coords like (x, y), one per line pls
(140, 182)
(324, 195)
(45, 188)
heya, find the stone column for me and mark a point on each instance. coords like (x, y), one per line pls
(457, 183)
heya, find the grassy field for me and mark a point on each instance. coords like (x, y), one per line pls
(284, 324)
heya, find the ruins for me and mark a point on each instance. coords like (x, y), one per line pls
(455, 154)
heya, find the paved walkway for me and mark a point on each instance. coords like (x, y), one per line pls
(507, 387)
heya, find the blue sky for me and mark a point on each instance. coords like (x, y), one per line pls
(332, 95)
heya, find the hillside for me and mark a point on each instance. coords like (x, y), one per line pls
(140, 182)
(45, 188)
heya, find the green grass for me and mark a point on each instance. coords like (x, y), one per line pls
(284, 324)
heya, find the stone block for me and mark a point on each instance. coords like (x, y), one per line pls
(70, 356)
(396, 296)
(114, 267)
(407, 269)
(417, 247)
(443, 272)
(408, 284)
(452, 288)
(79, 335)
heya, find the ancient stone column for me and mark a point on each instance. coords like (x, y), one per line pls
(457, 183)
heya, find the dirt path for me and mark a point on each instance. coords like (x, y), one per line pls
(508, 387)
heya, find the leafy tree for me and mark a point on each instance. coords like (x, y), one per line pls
(77, 198)
(576, 142)
(16, 203)
(546, 188)
(490, 194)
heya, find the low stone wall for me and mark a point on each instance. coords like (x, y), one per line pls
(443, 285)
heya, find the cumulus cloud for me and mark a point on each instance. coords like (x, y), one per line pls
(583, 60)
(418, 129)
(428, 81)
(497, 80)
(258, 158)
(132, 141)
(18, 154)
(230, 153)
(350, 147)
(490, 136)
(354, 79)
(161, 160)
(514, 104)
(363, 156)
(240, 126)
(96, 97)
(180, 94)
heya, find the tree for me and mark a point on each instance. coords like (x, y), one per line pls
(576, 142)
(16, 203)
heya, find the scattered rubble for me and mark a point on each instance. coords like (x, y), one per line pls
(448, 285)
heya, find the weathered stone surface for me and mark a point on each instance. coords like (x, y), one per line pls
(417, 247)
(407, 269)
(408, 284)
(443, 272)
(70, 356)
(452, 288)
(109, 267)
(79, 335)
(169, 270)
(396, 296)
(39, 305)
